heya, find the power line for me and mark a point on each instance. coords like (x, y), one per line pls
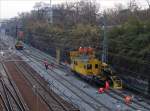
(124, 46)
(130, 71)
(105, 42)
(113, 54)
(129, 58)
(120, 42)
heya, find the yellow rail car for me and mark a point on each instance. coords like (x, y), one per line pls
(85, 64)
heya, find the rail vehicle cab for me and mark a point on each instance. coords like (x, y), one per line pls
(86, 67)
(115, 81)
(19, 45)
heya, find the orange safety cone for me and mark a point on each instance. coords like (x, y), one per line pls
(107, 86)
(101, 90)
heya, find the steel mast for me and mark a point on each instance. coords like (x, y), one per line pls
(105, 41)
(51, 13)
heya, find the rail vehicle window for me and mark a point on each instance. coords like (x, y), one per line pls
(116, 78)
(84, 66)
(89, 66)
(75, 62)
(96, 66)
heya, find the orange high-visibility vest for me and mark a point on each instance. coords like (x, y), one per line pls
(107, 85)
(128, 99)
(101, 90)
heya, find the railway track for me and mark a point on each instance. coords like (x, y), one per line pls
(52, 100)
(54, 104)
(15, 92)
(10, 96)
(4, 99)
(12, 99)
(112, 91)
(86, 95)
(2, 103)
(25, 89)
(95, 107)
(112, 94)
(102, 105)
(121, 94)
(40, 59)
(40, 55)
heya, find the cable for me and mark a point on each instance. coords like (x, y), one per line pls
(132, 59)
(124, 46)
(129, 58)
(113, 54)
(133, 72)
(60, 45)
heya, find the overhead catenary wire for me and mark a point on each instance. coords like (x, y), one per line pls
(110, 53)
(110, 41)
(121, 67)
(130, 58)
(134, 73)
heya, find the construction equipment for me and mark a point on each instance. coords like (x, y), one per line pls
(84, 63)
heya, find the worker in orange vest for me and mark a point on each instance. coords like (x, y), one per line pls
(107, 86)
(101, 90)
(46, 64)
(128, 100)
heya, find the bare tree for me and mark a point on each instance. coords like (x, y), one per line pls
(133, 6)
(40, 5)
(148, 3)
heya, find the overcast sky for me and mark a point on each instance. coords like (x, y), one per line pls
(11, 8)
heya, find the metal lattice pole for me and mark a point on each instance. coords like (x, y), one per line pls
(51, 13)
(105, 42)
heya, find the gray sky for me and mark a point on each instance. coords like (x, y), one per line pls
(11, 8)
